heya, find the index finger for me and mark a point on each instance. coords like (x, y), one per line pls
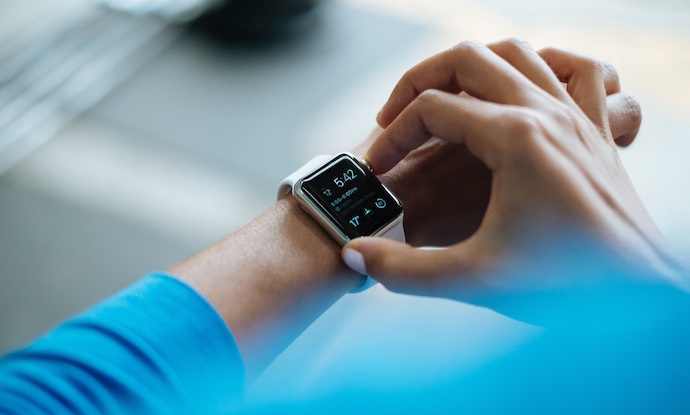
(479, 125)
(470, 67)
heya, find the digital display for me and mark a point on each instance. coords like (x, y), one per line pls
(352, 196)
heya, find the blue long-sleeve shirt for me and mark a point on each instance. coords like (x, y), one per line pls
(159, 347)
(133, 353)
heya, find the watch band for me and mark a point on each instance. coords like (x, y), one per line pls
(396, 232)
(313, 164)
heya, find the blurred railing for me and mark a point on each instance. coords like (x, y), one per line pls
(52, 75)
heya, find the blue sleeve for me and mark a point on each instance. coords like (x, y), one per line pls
(157, 346)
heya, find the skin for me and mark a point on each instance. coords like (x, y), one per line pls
(275, 276)
(545, 124)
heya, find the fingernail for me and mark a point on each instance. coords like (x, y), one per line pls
(378, 115)
(355, 261)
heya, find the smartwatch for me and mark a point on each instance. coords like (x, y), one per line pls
(343, 196)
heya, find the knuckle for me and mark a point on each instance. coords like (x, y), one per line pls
(553, 56)
(526, 138)
(608, 70)
(550, 50)
(407, 79)
(550, 54)
(428, 97)
(468, 47)
(592, 67)
(513, 45)
(426, 103)
(599, 69)
(631, 109)
(525, 126)
(425, 110)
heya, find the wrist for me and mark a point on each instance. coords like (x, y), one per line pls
(281, 254)
(270, 279)
(310, 256)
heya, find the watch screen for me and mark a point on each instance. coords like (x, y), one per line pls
(353, 197)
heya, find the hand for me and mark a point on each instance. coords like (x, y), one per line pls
(554, 167)
(435, 216)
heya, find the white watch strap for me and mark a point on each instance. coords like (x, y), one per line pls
(313, 164)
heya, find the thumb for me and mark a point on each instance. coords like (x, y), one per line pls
(401, 267)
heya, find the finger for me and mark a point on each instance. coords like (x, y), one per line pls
(588, 81)
(565, 64)
(476, 124)
(625, 118)
(470, 67)
(362, 147)
(433, 113)
(525, 59)
(401, 267)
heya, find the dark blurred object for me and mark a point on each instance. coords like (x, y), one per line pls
(234, 20)
(258, 20)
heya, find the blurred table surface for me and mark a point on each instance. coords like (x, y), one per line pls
(191, 145)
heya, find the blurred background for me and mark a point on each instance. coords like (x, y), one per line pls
(134, 133)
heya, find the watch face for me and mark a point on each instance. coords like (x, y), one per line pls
(352, 197)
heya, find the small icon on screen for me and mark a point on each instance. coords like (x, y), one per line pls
(380, 203)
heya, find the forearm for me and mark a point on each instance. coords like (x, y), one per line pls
(270, 280)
